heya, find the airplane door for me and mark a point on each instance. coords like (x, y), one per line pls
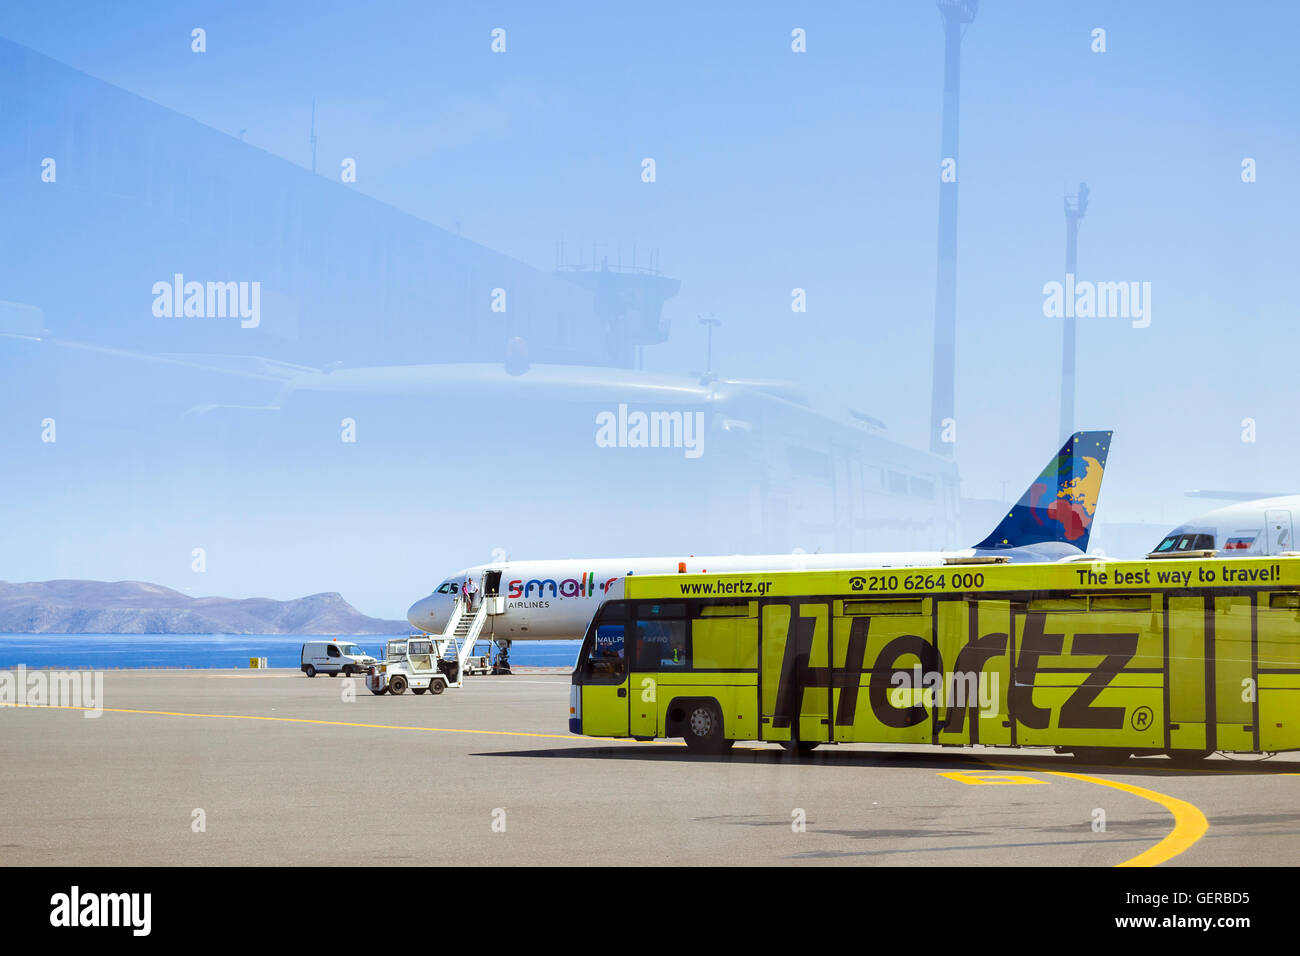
(1278, 526)
(491, 583)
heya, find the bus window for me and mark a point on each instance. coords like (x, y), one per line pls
(661, 636)
(661, 644)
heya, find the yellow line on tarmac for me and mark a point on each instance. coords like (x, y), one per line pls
(295, 720)
(1189, 822)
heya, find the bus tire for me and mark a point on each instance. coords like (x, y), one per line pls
(1100, 755)
(309, 671)
(397, 685)
(703, 728)
(437, 686)
(418, 690)
(1188, 758)
(381, 692)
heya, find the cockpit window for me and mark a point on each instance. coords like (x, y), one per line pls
(447, 587)
(1186, 542)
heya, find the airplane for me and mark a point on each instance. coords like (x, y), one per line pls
(1260, 526)
(554, 600)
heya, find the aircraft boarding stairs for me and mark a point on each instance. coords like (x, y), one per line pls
(462, 634)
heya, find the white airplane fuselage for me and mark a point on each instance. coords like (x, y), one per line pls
(1262, 526)
(554, 600)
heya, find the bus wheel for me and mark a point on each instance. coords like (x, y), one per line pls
(704, 728)
(1100, 754)
(397, 685)
(801, 748)
(381, 692)
(437, 687)
(1187, 758)
(309, 671)
(418, 690)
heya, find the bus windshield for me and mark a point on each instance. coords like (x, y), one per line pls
(604, 657)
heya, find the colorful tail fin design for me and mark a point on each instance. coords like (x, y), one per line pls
(1061, 502)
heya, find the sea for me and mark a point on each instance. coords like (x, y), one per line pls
(109, 651)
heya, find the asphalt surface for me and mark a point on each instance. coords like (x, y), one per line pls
(239, 767)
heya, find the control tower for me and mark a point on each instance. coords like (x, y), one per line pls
(629, 301)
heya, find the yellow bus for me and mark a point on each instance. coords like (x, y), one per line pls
(1102, 659)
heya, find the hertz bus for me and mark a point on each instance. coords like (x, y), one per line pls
(1102, 659)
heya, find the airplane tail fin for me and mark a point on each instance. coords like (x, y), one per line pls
(1060, 504)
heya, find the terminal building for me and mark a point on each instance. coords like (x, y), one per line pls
(116, 193)
(124, 217)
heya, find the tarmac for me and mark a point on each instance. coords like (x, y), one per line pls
(214, 767)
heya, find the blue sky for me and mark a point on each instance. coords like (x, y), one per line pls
(819, 170)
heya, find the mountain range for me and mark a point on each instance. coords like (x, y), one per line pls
(136, 607)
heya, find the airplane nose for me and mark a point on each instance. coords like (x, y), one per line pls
(430, 614)
(420, 614)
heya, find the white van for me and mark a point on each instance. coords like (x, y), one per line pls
(334, 658)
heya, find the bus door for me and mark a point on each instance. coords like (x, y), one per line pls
(884, 654)
(658, 653)
(1277, 663)
(1188, 656)
(973, 637)
(796, 674)
(1235, 726)
(603, 674)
